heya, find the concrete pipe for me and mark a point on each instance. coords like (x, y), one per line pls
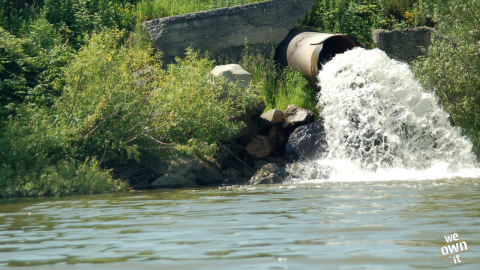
(306, 52)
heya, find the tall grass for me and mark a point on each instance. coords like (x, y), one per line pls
(279, 86)
(153, 9)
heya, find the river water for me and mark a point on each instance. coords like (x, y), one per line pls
(300, 225)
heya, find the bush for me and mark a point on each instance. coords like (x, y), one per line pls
(76, 18)
(36, 159)
(357, 18)
(139, 107)
(65, 178)
(354, 18)
(117, 106)
(13, 84)
(452, 66)
(29, 65)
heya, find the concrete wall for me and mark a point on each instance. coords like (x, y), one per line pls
(403, 45)
(223, 31)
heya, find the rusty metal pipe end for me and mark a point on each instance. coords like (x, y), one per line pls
(306, 52)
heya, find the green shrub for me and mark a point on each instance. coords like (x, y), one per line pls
(117, 105)
(452, 66)
(13, 84)
(121, 103)
(64, 178)
(357, 18)
(29, 65)
(36, 159)
(76, 18)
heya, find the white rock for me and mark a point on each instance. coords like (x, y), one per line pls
(233, 73)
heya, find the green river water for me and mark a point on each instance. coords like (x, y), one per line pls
(325, 225)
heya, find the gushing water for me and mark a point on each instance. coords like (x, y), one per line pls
(382, 125)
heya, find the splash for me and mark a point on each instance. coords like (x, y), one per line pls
(381, 124)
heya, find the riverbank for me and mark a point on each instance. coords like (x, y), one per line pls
(83, 93)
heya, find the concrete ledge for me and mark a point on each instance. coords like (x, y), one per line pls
(223, 31)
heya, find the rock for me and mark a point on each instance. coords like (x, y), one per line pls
(233, 177)
(298, 116)
(286, 124)
(173, 181)
(234, 73)
(273, 135)
(308, 141)
(225, 158)
(186, 172)
(255, 109)
(269, 173)
(270, 118)
(403, 45)
(246, 172)
(224, 31)
(273, 168)
(209, 175)
(182, 172)
(260, 147)
(276, 136)
(259, 164)
(160, 168)
(309, 171)
(236, 149)
(248, 131)
(265, 177)
(277, 160)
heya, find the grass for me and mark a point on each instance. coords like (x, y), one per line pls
(280, 86)
(148, 9)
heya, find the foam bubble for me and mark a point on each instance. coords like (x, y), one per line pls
(382, 125)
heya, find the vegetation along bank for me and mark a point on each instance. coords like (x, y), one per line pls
(82, 92)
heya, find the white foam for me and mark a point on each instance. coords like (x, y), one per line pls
(381, 125)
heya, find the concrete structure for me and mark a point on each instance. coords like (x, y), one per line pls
(223, 32)
(403, 45)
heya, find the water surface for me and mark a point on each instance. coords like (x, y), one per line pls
(321, 225)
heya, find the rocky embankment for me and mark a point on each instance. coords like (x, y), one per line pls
(263, 152)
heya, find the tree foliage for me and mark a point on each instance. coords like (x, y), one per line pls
(29, 65)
